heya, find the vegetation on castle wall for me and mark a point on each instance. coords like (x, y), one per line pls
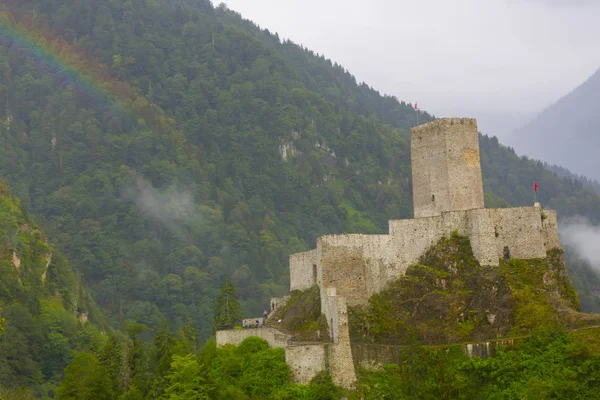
(302, 315)
(448, 297)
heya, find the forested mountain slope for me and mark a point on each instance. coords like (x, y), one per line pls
(166, 143)
(45, 311)
(567, 132)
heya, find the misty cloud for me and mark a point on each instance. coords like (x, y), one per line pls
(566, 3)
(174, 209)
(500, 60)
(582, 236)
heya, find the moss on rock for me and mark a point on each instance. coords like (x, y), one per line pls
(301, 316)
(449, 297)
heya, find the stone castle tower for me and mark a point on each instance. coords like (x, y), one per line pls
(448, 197)
(446, 171)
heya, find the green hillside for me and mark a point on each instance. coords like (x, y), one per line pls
(45, 311)
(218, 149)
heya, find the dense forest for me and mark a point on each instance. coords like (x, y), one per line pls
(166, 144)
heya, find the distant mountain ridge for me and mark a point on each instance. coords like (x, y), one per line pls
(566, 133)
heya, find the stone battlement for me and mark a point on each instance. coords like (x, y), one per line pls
(443, 124)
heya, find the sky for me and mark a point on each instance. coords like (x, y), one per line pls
(500, 61)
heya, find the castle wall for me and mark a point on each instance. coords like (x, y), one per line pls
(341, 363)
(413, 237)
(490, 230)
(305, 361)
(274, 337)
(303, 270)
(356, 265)
(550, 230)
(446, 167)
(519, 229)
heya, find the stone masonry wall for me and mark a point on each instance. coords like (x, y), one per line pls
(412, 237)
(341, 363)
(356, 265)
(490, 230)
(550, 230)
(446, 167)
(305, 361)
(303, 270)
(465, 184)
(518, 229)
(274, 337)
(429, 170)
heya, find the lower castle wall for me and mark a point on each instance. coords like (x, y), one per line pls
(274, 337)
(305, 361)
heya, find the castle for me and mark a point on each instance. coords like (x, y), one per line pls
(447, 197)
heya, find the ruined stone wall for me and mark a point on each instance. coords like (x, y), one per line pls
(446, 167)
(305, 361)
(274, 337)
(413, 237)
(278, 302)
(550, 230)
(303, 270)
(341, 363)
(356, 265)
(518, 229)
(490, 230)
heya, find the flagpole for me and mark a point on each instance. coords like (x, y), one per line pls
(417, 111)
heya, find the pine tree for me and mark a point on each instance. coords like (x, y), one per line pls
(227, 308)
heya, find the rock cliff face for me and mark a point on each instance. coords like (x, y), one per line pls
(448, 297)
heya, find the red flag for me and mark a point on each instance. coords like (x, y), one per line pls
(535, 186)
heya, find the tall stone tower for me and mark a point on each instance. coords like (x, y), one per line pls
(446, 168)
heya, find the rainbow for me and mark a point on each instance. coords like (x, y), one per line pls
(66, 62)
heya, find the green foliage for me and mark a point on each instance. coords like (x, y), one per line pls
(85, 379)
(227, 307)
(549, 364)
(40, 300)
(185, 380)
(425, 373)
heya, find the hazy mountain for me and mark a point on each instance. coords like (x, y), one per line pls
(566, 133)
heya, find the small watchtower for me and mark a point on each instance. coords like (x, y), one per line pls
(446, 168)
